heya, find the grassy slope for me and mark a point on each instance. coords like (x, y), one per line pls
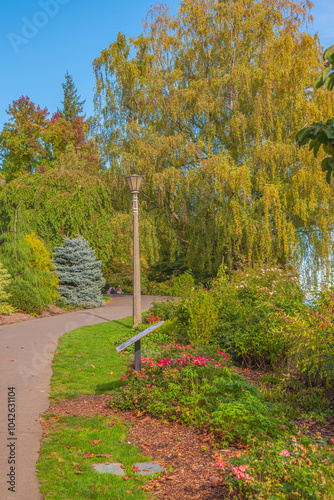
(86, 361)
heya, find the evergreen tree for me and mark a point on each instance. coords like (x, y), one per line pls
(72, 105)
(5, 307)
(79, 273)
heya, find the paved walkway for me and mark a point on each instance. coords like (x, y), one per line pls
(26, 355)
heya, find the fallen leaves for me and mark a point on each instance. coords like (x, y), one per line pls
(95, 442)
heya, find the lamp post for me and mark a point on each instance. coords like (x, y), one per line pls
(134, 183)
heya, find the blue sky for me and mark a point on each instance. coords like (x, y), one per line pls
(40, 40)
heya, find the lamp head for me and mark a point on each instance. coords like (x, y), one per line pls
(134, 182)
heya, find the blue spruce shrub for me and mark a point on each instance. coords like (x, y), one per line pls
(79, 273)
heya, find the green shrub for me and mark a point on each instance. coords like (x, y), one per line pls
(40, 262)
(27, 259)
(203, 317)
(312, 337)
(165, 309)
(5, 307)
(293, 467)
(183, 285)
(24, 297)
(251, 304)
(195, 386)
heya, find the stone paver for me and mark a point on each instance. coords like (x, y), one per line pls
(148, 468)
(113, 468)
(143, 468)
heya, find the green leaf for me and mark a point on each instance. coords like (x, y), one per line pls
(329, 82)
(329, 52)
(327, 150)
(329, 131)
(316, 149)
(303, 136)
(325, 164)
(328, 176)
(318, 82)
(313, 143)
(318, 126)
(327, 70)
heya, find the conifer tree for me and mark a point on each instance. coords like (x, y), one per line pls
(79, 273)
(72, 105)
(5, 307)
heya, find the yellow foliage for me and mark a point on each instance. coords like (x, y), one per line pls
(5, 307)
(207, 110)
(40, 258)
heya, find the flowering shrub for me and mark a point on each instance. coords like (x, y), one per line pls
(153, 319)
(250, 306)
(241, 313)
(195, 386)
(296, 467)
(312, 337)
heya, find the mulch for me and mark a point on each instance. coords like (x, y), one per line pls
(188, 451)
(18, 317)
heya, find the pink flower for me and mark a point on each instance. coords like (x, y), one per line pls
(285, 453)
(148, 385)
(220, 463)
(136, 401)
(123, 377)
(240, 472)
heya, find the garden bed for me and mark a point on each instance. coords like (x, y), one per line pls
(185, 450)
(18, 317)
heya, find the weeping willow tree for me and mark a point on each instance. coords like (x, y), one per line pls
(69, 200)
(206, 105)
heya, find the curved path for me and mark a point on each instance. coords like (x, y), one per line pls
(27, 351)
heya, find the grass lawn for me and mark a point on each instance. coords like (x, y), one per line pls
(71, 446)
(86, 360)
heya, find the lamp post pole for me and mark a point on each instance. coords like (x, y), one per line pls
(136, 266)
(134, 182)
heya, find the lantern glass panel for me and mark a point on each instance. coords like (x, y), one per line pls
(134, 182)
